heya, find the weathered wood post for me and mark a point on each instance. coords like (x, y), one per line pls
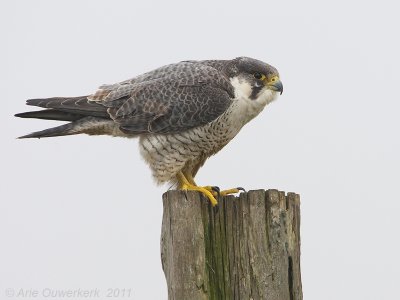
(248, 249)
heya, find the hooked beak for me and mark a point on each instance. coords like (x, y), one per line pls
(275, 84)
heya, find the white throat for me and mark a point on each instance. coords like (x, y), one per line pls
(247, 108)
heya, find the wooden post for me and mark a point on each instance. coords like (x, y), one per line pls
(247, 249)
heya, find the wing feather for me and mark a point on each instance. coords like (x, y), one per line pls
(172, 99)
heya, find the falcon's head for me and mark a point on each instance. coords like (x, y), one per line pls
(254, 81)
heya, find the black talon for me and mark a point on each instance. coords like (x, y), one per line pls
(217, 190)
(241, 189)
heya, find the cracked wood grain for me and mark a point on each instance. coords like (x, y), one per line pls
(248, 249)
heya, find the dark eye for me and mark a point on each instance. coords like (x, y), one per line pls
(257, 76)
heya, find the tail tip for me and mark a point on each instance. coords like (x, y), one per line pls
(28, 136)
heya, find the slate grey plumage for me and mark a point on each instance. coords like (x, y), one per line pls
(182, 113)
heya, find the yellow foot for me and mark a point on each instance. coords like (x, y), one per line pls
(186, 182)
(232, 191)
(215, 190)
(202, 190)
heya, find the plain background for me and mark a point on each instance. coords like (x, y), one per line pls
(83, 212)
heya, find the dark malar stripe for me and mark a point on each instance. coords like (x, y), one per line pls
(254, 93)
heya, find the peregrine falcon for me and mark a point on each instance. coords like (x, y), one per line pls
(182, 113)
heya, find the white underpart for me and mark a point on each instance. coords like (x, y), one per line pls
(169, 154)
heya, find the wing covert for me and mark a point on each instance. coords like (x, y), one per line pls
(188, 95)
(170, 108)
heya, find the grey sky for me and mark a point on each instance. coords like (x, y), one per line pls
(83, 211)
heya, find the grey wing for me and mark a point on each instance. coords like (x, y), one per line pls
(188, 96)
(111, 92)
(170, 99)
